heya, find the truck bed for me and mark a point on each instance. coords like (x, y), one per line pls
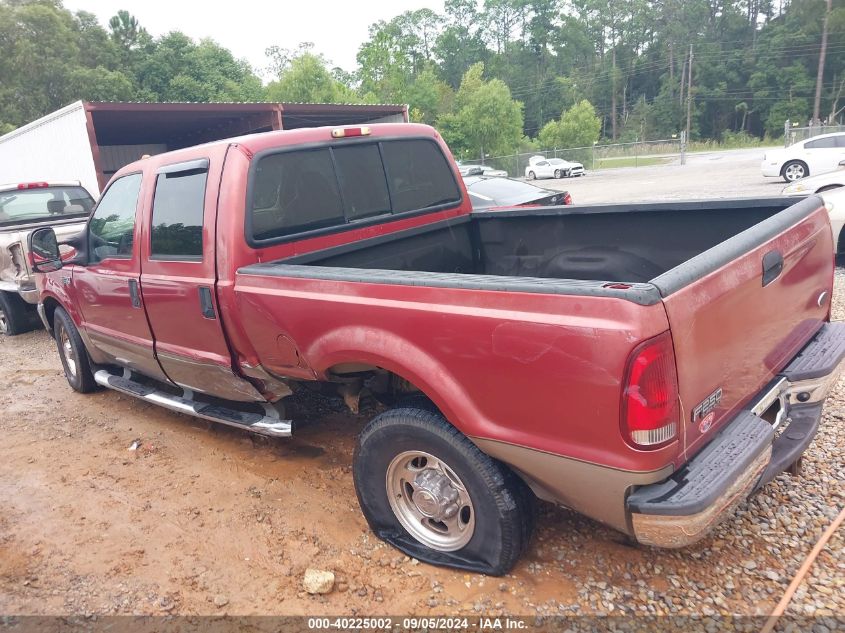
(608, 243)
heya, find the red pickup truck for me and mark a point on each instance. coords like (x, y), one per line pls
(648, 365)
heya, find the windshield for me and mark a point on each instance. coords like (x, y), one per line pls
(43, 203)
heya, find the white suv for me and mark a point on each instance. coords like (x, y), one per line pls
(813, 156)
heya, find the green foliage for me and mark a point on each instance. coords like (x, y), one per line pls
(305, 79)
(51, 57)
(487, 120)
(577, 127)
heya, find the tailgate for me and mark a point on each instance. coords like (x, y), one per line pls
(741, 310)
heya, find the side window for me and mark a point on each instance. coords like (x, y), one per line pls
(293, 192)
(111, 230)
(840, 141)
(178, 204)
(419, 175)
(822, 143)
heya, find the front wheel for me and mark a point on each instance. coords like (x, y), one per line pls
(532, 175)
(73, 354)
(14, 316)
(558, 173)
(426, 489)
(794, 170)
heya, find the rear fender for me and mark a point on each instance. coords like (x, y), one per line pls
(388, 351)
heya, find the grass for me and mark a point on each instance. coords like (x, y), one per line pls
(630, 161)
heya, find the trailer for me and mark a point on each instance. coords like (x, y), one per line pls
(89, 141)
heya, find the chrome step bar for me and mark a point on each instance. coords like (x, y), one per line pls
(267, 424)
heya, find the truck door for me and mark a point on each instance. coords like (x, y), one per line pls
(108, 286)
(178, 281)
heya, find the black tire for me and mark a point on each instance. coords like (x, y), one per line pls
(15, 315)
(503, 507)
(80, 378)
(794, 170)
(532, 175)
(558, 174)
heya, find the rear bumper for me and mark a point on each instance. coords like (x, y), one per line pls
(747, 454)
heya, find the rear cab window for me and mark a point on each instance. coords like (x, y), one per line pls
(44, 203)
(326, 188)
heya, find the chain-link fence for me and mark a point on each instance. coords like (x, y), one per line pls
(793, 134)
(638, 154)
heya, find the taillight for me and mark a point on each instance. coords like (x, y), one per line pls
(567, 199)
(650, 413)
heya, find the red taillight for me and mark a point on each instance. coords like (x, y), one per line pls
(346, 132)
(33, 185)
(567, 199)
(650, 413)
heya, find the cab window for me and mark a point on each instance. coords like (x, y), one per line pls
(111, 230)
(178, 205)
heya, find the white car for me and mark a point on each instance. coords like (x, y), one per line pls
(817, 184)
(542, 167)
(805, 158)
(481, 170)
(834, 200)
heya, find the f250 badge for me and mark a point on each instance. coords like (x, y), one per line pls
(704, 410)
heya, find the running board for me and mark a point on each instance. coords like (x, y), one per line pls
(267, 424)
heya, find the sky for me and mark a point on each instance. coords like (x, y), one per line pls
(247, 27)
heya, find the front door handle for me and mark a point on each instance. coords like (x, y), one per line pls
(134, 295)
(772, 266)
(206, 304)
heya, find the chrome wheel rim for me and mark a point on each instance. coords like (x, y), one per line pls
(794, 172)
(430, 501)
(67, 352)
(4, 322)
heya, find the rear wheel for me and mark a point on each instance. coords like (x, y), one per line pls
(14, 315)
(532, 175)
(73, 354)
(558, 173)
(426, 489)
(795, 170)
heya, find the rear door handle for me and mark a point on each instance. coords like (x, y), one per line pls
(134, 295)
(772, 266)
(206, 304)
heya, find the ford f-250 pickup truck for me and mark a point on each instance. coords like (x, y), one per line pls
(648, 365)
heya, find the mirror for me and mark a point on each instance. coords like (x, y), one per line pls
(44, 251)
(842, 163)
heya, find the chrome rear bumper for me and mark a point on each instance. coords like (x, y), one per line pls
(746, 454)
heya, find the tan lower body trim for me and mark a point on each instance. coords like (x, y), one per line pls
(595, 491)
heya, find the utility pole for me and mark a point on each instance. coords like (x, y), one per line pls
(689, 94)
(613, 95)
(820, 74)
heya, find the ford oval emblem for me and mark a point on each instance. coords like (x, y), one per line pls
(706, 422)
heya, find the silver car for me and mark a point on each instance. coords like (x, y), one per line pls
(25, 207)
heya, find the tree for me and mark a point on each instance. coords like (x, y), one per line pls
(578, 127)
(125, 30)
(305, 79)
(488, 120)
